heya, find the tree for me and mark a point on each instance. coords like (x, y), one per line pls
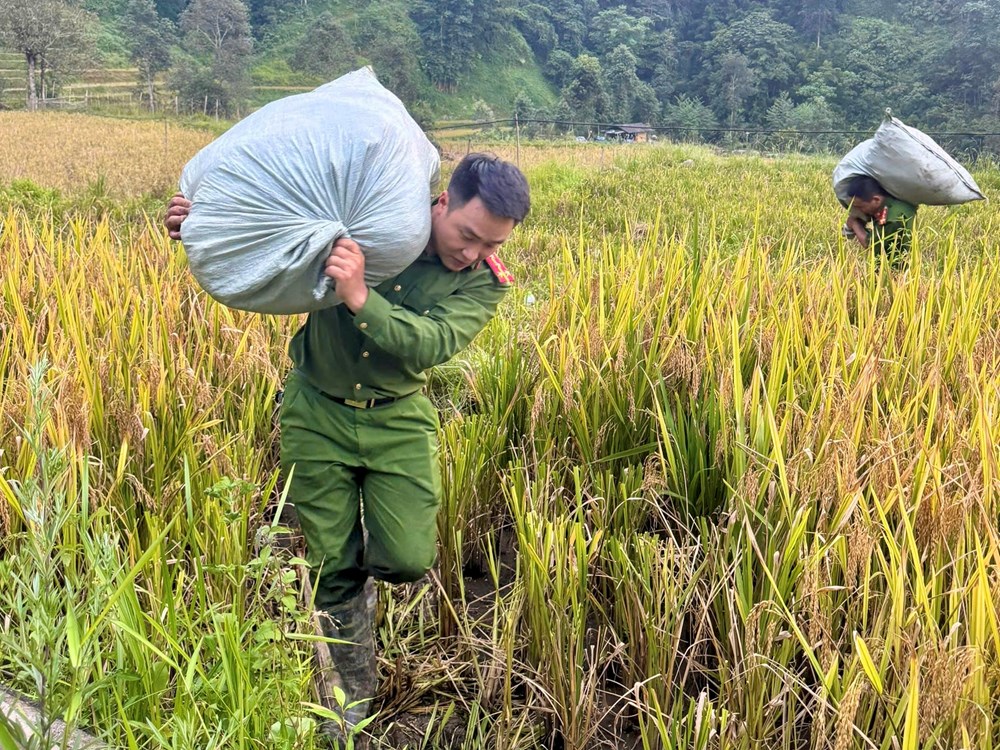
(534, 23)
(732, 83)
(614, 27)
(559, 66)
(881, 69)
(691, 114)
(779, 115)
(524, 107)
(754, 54)
(621, 84)
(482, 112)
(51, 34)
(325, 49)
(265, 13)
(562, 113)
(646, 104)
(453, 33)
(393, 48)
(150, 37)
(170, 9)
(823, 82)
(584, 93)
(657, 58)
(970, 61)
(447, 31)
(819, 15)
(219, 29)
(569, 19)
(525, 111)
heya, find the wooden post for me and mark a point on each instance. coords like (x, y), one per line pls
(517, 132)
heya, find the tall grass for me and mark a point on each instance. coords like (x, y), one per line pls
(718, 482)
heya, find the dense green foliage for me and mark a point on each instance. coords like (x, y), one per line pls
(814, 65)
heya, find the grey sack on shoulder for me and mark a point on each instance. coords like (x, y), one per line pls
(272, 194)
(910, 165)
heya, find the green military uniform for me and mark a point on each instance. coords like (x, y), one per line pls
(892, 230)
(355, 427)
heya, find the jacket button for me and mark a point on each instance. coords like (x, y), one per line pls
(397, 288)
(364, 354)
(357, 386)
(363, 326)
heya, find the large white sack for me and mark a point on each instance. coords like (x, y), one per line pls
(910, 165)
(272, 193)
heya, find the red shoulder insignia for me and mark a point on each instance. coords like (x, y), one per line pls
(881, 216)
(499, 270)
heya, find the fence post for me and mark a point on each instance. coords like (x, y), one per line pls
(517, 132)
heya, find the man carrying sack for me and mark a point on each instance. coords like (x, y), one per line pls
(358, 437)
(882, 180)
(880, 221)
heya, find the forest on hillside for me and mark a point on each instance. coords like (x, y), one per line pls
(806, 65)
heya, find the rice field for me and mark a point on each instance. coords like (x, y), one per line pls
(74, 153)
(712, 480)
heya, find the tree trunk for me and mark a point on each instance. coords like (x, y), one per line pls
(32, 93)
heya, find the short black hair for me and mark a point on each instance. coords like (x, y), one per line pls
(500, 185)
(865, 187)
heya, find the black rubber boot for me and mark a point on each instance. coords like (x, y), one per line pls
(353, 662)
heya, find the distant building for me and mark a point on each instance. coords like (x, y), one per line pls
(636, 132)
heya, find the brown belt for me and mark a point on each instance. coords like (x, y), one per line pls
(369, 404)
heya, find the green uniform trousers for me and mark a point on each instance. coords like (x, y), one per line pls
(354, 470)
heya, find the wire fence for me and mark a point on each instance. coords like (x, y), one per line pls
(126, 102)
(966, 146)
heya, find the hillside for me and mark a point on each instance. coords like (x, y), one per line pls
(284, 62)
(818, 65)
(495, 76)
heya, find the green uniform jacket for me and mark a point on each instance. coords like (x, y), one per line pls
(892, 229)
(420, 318)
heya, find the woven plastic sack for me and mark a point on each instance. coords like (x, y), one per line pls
(910, 165)
(273, 193)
